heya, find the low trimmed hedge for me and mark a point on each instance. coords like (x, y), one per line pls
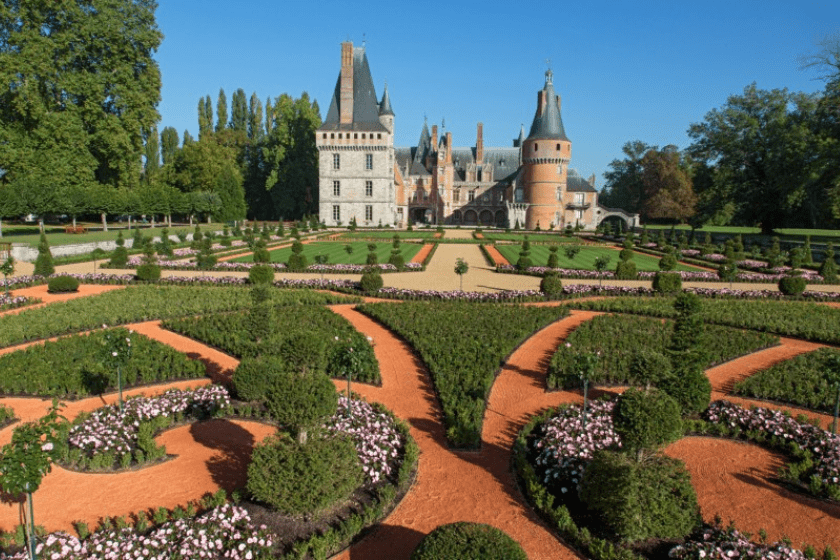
(62, 284)
(72, 367)
(468, 541)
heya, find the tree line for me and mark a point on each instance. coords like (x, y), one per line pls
(79, 136)
(767, 158)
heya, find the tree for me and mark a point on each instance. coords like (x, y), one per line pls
(239, 112)
(82, 90)
(152, 155)
(624, 187)
(168, 144)
(461, 268)
(667, 185)
(760, 145)
(221, 111)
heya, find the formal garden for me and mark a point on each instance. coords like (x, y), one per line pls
(310, 414)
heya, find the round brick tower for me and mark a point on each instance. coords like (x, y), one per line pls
(545, 156)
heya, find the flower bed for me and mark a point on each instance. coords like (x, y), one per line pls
(717, 542)
(109, 438)
(820, 449)
(13, 302)
(223, 532)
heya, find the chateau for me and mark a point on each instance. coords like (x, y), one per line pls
(363, 176)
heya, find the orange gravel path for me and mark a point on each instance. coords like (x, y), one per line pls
(497, 257)
(40, 292)
(423, 253)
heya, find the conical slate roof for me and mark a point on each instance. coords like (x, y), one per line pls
(385, 105)
(548, 124)
(365, 104)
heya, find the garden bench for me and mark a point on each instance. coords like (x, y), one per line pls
(75, 229)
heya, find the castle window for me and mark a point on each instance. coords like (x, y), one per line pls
(559, 193)
(368, 161)
(558, 146)
(324, 136)
(579, 198)
(336, 213)
(336, 161)
(456, 195)
(332, 135)
(369, 212)
(336, 188)
(356, 136)
(368, 188)
(536, 146)
(471, 195)
(379, 136)
(363, 135)
(340, 136)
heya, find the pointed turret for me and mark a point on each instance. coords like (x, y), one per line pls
(548, 123)
(385, 104)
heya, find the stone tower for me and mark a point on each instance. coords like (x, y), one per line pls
(545, 158)
(356, 149)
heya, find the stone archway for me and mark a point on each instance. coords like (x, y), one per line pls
(470, 217)
(457, 218)
(501, 218)
(486, 218)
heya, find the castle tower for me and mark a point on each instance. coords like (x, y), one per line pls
(545, 158)
(356, 149)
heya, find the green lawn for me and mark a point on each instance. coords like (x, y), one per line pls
(56, 236)
(791, 233)
(554, 237)
(585, 260)
(389, 235)
(337, 254)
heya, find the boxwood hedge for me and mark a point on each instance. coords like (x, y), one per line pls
(463, 346)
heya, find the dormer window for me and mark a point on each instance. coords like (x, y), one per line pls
(558, 147)
(536, 147)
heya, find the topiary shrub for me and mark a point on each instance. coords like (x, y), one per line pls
(255, 375)
(296, 478)
(468, 541)
(62, 284)
(688, 385)
(792, 285)
(301, 400)
(553, 261)
(649, 367)
(148, 272)
(372, 259)
(636, 500)
(119, 258)
(667, 283)
(668, 262)
(305, 352)
(551, 285)
(371, 281)
(646, 419)
(261, 254)
(626, 270)
(44, 262)
(828, 268)
(297, 260)
(397, 259)
(261, 274)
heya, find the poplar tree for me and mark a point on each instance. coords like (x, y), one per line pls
(152, 154)
(255, 119)
(239, 112)
(168, 144)
(221, 111)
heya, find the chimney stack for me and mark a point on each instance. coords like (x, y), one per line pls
(479, 145)
(434, 138)
(346, 99)
(448, 147)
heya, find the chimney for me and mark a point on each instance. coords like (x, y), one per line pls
(479, 145)
(540, 102)
(434, 138)
(448, 147)
(346, 99)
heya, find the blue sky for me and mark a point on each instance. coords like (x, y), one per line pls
(625, 70)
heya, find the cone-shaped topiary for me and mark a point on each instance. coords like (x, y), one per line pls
(551, 285)
(44, 262)
(119, 258)
(371, 281)
(469, 541)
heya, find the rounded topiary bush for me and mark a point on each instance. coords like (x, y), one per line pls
(255, 375)
(296, 478)
(397, 259)
(62, 284)
(468, 541)
(626, 270)
(300, 400)
(148, 272)
(646, 419)
(667, 282)
(551, 285)
(297, 263)
(668, 262)
(261, 254)
(553, 261)
(649, 366)
(261, 274)
(638, 500)
(792, 285)
(305, 351)
(372, 259)
(689, 386)
(371, 281)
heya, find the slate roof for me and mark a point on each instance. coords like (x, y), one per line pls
(549, 124)
(576, 183)
(365, 103)
(385, 105)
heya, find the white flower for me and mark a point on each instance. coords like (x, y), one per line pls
(114, 354)
(47, 446)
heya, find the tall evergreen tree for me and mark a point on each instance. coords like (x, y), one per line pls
(203, 125)
(239, 112)
(208, 115)
(168, 144)
(188, 138)
(152, 155)
(221, 111)
(255, 119)
(269, 115)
